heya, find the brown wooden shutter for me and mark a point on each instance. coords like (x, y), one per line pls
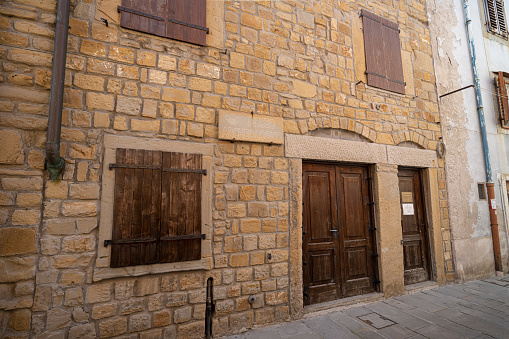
(157, 208)
(374, 48)
(183, 20)
(503, 100)
(384, 68)
(181, 208)
(137, 207)
(393, 62)
(187, 21)
(148, 16)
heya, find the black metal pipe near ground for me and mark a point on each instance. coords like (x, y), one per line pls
(209, 308)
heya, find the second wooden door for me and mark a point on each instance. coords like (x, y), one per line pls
(338, 252)
(414, 227)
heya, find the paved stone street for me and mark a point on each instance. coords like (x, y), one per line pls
(477, 309)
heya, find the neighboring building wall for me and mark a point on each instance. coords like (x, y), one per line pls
(302, 61)
(469, 217)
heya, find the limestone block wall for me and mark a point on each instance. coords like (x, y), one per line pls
(300, 60)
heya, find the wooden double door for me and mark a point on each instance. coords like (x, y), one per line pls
(339, 256)
(414, 226)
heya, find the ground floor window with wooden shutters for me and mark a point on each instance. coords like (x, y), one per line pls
(157, 207)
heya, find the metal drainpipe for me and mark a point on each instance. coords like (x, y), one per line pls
(54, 163)
(209, 308)
(480, 111)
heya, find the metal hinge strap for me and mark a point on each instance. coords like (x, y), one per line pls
(145, 240)
(185, 170)
(133, 11)
(385, 77)
(133, 166)
(129, 241)
(183, 237)
(178, 22)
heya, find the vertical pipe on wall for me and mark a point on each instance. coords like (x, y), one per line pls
(54, 163)
(480, 111)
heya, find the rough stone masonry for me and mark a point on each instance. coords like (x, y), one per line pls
(302, 61)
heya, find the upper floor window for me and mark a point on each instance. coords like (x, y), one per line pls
(502, 82)
(384, 68)
(495, 16)
(183, 20)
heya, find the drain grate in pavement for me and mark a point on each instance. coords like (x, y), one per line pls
(376, 320)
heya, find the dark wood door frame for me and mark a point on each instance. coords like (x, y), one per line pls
(345, 245)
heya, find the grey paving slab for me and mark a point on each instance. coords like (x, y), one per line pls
(472, 308)
(396, 332)
(452, 326)
(397, 315)
(474, 323)
(398, 304)
(454, 291)
(263, 333)
(351, 323)
(484, 302)
(435, 331)
(376, 320)
(294, 330)
(368, 334)
(357, 311)
(420, 303)
(328, 328)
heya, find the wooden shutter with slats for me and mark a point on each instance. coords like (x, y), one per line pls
(157, 208)
(503, 100)
(494, 13)
(183, 20)
(181, 206)
(384, 68)
(146, 16)
(187, 21)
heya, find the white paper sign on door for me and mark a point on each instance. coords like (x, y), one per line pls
(408, 209)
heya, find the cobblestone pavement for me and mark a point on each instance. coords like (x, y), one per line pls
(477, 309)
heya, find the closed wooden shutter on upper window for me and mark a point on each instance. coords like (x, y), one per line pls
(502, 98)
(183, 20)
(157, 208)
(144, 15)
(384, 67)
(495, 16)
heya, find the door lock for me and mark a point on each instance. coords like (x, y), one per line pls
(334, 232)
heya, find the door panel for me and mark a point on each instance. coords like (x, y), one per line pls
(414, 227)
(320, 244)
(337, 241)
(354, 224)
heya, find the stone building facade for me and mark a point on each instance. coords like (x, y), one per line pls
(299, 61)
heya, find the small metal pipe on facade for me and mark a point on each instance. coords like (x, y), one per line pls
(480, 111)
(55, 163)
